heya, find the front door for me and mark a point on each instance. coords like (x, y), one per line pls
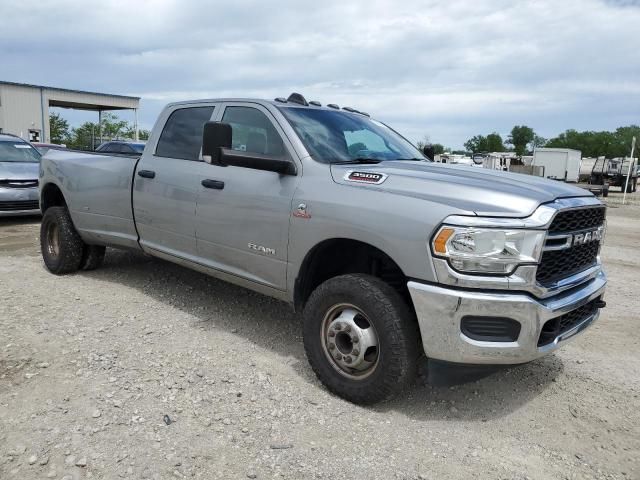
(243, 214)
(167, 182)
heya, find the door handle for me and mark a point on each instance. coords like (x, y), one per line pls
(215, 184)
(147, 173)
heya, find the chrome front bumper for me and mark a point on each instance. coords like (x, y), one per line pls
(440, 311)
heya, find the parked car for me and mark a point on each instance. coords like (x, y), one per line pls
(45, 147)
(19, 165)
(121, 147)
(389, 256)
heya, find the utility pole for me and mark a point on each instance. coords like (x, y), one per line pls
(631, 164)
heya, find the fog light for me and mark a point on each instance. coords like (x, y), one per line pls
(490, 329)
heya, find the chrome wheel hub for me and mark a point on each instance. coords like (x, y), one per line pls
(53, 240)
(350, 341)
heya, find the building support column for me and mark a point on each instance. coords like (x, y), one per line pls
(93, 147)
(135, 123)
(44, 129)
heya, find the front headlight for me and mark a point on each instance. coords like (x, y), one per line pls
(487, 250)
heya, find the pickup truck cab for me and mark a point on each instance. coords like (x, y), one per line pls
(389, 256)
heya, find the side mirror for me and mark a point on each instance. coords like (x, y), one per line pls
(216, 149)
(256, 161)
(429, 152)
(215, 135)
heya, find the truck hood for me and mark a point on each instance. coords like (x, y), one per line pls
(475, 191)
(19, 170)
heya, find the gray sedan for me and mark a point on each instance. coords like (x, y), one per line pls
(19, 165)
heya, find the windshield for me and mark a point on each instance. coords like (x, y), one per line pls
(339, 137)
(138, 147)
(19, 152)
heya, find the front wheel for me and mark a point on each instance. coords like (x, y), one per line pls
(361, 338)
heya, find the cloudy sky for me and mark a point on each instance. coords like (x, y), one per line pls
(447, 69)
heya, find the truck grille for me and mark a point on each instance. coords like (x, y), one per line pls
(559, 325)
(579, 219)
(19, 205)
(558, 264)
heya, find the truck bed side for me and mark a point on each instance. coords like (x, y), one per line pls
(97, 189)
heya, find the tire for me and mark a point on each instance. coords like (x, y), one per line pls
(61, 246)
(92, 257)
(338, 319)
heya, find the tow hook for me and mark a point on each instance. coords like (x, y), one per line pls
(600, 304)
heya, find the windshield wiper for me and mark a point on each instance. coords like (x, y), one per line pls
(414, 159)
(358, 160)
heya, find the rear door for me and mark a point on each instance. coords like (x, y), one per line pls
(243, 217)
(167, 182)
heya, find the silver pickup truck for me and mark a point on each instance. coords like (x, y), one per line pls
(389, 256)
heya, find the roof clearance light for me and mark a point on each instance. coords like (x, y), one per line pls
(298, 98)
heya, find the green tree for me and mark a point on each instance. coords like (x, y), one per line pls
(438, 148)
(420, 144)
(494, 143)
(58, 128)
(85, 137)
(144, 135)
(113, 127)
(477, 144)
(595, 144)
(130, 133)
(520, 137)
(538, 141)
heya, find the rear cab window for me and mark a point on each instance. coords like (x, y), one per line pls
(181, 136)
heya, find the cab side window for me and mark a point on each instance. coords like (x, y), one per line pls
(253, 132)
(181, 136)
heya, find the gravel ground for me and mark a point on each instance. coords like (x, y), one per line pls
(143, 369)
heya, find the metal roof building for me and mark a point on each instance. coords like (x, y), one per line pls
(24, 108)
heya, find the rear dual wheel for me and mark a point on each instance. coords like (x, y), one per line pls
(361, 338)
(63, 251)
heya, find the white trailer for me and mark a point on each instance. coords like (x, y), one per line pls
(559, 163)
(499, 160)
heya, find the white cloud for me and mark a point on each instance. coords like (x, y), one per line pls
(447, 69)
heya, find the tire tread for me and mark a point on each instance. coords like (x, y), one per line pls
(71, 245)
